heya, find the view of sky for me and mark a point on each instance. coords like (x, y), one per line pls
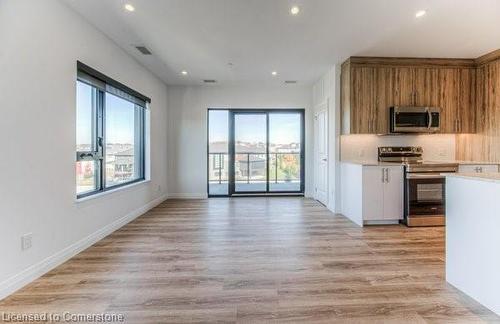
(218, 121)
(83, 114)
(120, 116)
(284, 128)
(250, 128)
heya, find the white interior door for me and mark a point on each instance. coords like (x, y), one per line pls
(321, 153)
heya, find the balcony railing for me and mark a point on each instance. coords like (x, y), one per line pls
(284, 167)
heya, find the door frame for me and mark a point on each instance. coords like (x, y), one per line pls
(323, 107)
(231, 151)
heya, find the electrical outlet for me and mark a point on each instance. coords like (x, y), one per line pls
(26, 241)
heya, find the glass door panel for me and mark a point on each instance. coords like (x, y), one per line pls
(285, 152)
(218, 152)
(250, 152)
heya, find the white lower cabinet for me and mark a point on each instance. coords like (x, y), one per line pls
(478, 168)
(382, 193)
(372, 194)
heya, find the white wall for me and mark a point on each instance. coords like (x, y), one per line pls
(436, 147)
(188, 127)
(41, 42)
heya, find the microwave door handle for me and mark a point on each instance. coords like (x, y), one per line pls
(429, 115)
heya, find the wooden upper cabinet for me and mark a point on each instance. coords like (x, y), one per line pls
(370, 86)
(448, 79)
(384, 85)
(363, 110)
(403, 91)
(467, 106)
(426, 85)
(366, 99)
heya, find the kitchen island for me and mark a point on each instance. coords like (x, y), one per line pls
(473, 236)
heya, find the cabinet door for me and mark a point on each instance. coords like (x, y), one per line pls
(448, 79)
(393, 193)
(478, 168)
(363, 111)
(385, 98)
(426, 85)
(403, 81)
(466, 117)
(373, 193)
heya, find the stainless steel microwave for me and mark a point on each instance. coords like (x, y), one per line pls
(414, 119)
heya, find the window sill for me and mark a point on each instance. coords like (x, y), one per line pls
(109, 192)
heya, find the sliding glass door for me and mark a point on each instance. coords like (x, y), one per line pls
(250, 152)
(255, 152)
(285, 152)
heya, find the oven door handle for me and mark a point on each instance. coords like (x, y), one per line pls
(429, 115)
(424, 176)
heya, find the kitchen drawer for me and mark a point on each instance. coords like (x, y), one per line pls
(478, 168)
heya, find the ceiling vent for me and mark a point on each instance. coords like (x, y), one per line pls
(144, 50)
(290, 81)
(210, 81)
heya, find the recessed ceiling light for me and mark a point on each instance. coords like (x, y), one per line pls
(274, 73)
(129, 7)
(294, 10)
(184, 72)
(420, 13)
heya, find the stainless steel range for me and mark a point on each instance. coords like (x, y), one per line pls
(424, 187)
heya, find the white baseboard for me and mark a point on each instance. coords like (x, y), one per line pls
(35, 271)
(187, 196)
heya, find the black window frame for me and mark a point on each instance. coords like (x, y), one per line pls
(101, 84)
(231, 152)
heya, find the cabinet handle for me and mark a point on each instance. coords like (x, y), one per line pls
(387, 175)
(458, 126)
(383, 175)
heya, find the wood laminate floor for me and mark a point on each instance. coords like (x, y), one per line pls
(255, 260)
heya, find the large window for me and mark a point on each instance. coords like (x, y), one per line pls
(110, 135)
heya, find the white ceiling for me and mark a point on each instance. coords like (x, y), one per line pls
(259, 36)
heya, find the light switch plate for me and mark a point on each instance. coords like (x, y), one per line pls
(26, 241)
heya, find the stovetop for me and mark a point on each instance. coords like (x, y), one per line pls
(411, 158)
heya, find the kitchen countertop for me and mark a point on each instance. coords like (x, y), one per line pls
(371, 163)
(489, 177)
(461, 162)
(378, 163)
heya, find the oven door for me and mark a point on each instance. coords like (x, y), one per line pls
(425, 199)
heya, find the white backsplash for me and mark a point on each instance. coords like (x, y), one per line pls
(438, 147)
